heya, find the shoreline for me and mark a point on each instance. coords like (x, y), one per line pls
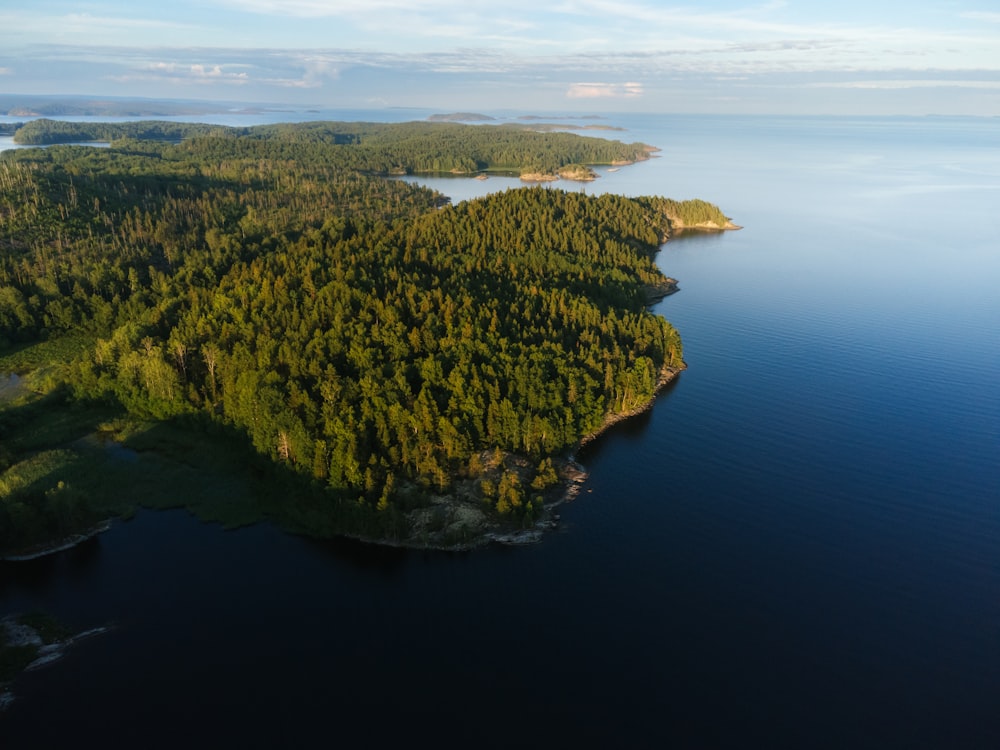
(16, 632)
(462, 507)
(679, 228)
(667, 376)
(60, 545)
(456, 521)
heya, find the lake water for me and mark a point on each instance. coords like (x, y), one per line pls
(799, 546)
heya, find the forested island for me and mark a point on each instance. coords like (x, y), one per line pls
(378, 148)
(28, 105)
(256, 323)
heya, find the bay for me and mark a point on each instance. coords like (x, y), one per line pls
(798, 546)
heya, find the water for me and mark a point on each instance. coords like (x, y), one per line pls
(798, 547)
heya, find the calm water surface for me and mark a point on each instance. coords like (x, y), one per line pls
(799, 546)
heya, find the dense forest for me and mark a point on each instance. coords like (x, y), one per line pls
(376, 148)
(380, 346)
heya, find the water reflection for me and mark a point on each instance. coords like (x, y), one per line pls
(387, 561)
(66, 569)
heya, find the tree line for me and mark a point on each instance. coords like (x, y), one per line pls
(377, 148)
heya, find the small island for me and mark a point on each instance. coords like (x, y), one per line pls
(257, 324)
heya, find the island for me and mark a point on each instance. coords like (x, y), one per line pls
(34, 105)
(460, 117)
(259, 323)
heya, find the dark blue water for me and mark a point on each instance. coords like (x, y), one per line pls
(798, 547)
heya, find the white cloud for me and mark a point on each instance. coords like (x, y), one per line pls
(94, 28)
(982, 16)
(177, 73)
(904, 84)
(375, 8)
(582, 52)
(604, 90)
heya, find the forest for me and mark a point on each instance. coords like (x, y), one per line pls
(373, 347)
(374, 148)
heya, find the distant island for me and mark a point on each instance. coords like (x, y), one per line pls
(461, 117)
(255, 323)
(529, 122)
(25, 105)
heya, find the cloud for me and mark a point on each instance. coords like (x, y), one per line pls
(904, 84)
(6, 72)
(982, 16)
(316, 8)
(604, 90)
(379, 9)
(313, 69)
(188, 73)
(29, 24)
(781, 46)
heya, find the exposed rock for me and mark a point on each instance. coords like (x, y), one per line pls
(656, 292)
(678, 225)
(538, 177)
(16, 632)
(578, 173)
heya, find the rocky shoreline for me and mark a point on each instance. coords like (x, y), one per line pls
(678, 226)
(39, 641)
(457, 521)
(68, 542)
(667, 376)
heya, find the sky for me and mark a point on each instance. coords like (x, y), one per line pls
(714, 56)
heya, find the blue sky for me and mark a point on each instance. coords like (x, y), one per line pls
(845, 56)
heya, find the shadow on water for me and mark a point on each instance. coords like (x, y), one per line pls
(631, 430)
(383, 559)
(34, 577)
(357, 554)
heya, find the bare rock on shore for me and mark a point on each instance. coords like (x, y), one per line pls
(35, 641)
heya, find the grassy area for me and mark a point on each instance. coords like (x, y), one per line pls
(43, 359)
(66, 465)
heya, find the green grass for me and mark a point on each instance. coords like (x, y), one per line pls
(55, 451)
(46, 467)
(40, 358)
(66, 464)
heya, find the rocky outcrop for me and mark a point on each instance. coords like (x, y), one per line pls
(34, 641)
(574, 172)
(656, 292)
(677, 225)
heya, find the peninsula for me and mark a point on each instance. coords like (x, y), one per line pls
(256, 324)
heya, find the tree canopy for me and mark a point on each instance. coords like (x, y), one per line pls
(377, 148)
